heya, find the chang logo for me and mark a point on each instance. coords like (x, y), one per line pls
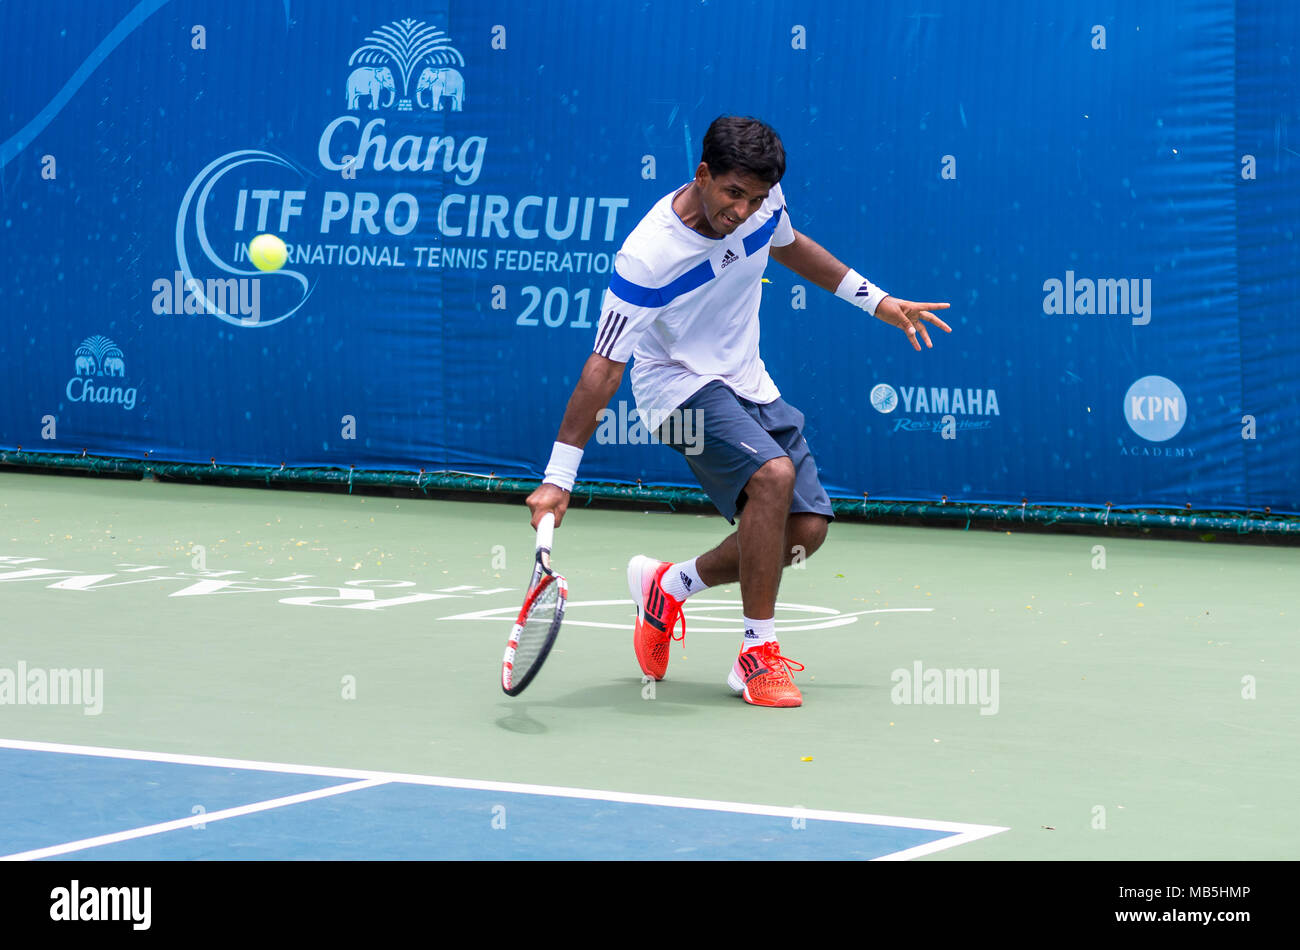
(884, 398)
(1155, 408)
(98, 359)
(409, 51)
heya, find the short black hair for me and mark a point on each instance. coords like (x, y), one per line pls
(744, 144)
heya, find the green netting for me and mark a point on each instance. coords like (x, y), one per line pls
(1257, 524)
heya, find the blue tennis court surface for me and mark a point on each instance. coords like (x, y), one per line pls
(113, 805)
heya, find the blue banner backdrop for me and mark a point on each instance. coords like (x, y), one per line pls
(1103, 190)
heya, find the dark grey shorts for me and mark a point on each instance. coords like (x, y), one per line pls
(739, 436)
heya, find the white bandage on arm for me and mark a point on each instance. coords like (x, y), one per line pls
(860, 292)
(562, 469)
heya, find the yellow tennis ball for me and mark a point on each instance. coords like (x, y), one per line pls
(267, 252)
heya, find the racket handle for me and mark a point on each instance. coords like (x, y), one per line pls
(546, 530)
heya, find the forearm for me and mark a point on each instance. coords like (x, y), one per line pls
(596, 387)
(812, 262)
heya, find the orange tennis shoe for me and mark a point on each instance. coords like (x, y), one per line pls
(762, 676)
(657, 613)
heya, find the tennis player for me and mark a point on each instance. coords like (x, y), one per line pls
(683, 300)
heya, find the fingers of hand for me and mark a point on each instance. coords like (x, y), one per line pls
(931, 318)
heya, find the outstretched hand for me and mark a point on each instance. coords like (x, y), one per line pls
(911, 317)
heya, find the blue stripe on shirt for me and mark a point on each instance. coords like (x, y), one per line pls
(764, 234)
(640, 296)
(694, 278)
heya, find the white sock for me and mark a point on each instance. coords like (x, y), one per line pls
(758, 632)
(682, 580)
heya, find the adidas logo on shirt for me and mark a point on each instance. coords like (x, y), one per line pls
(729, 258)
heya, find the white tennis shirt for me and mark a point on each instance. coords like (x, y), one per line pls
(686, 306)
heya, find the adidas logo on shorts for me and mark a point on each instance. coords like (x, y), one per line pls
(729, 258)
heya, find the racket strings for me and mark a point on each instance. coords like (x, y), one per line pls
(536, 629)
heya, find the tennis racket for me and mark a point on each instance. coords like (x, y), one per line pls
(539, 619)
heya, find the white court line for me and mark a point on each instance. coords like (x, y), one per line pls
(824, 618)
(203, 819)
(963, 832)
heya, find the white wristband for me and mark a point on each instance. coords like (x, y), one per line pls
(860, 292)
(562, 469)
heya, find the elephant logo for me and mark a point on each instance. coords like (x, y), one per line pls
(441, 82)
(397, 52)
(371, 81)
(99, 356)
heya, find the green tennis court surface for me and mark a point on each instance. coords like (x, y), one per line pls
(972, 694)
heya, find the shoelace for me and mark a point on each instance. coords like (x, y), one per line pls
(681, 615)
(666, 599)
(770, 654)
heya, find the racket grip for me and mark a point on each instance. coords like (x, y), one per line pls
(546, 530)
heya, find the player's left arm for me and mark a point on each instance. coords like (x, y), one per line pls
(814, 263)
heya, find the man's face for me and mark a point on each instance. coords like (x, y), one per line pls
(730, 198)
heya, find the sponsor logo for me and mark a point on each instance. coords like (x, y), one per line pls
(404, 76)
(1127, 296)
(405, 46)
(686, 581)
(97, 364)
(942, 400)
(1155, 408)
(884, 398)
(281, 292)
(729, 258)
(974, 406)
(750, 634)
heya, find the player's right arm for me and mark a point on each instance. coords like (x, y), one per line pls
(596, 386)
(632, 303)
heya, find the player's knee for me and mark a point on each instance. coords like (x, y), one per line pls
(775, 477)
(806, 532)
